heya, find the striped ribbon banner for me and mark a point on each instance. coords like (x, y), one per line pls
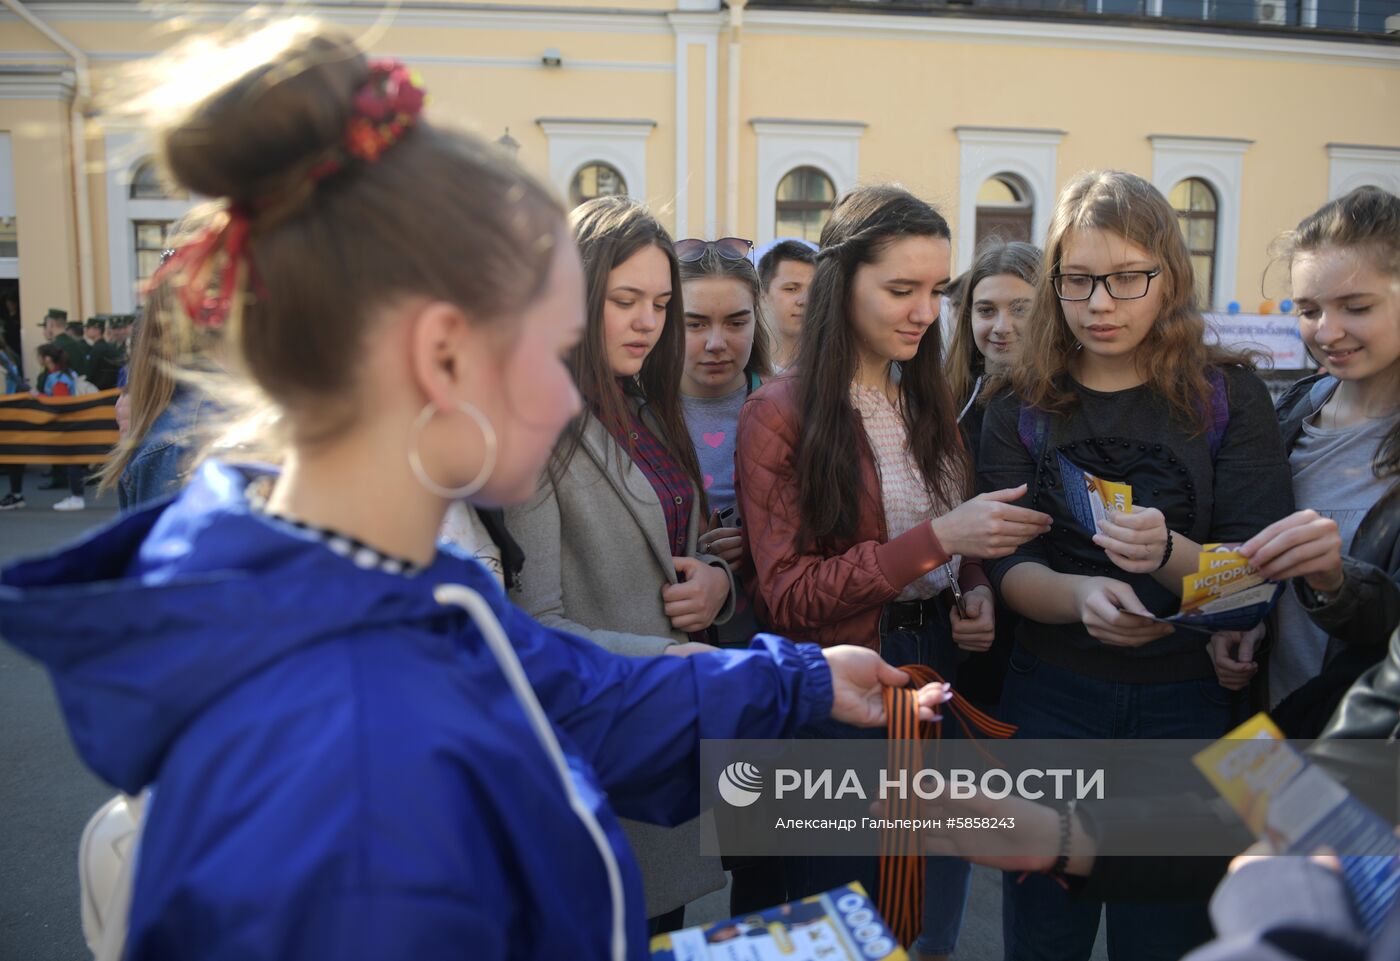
(901, 899)
(58, 430)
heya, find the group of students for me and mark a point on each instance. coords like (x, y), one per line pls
(358, 746)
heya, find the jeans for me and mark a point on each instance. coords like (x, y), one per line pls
(946, 879)
(1040, 921)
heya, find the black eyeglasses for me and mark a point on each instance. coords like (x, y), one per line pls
(691, 249)
(1121, 285)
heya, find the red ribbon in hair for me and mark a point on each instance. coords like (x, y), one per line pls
(212, 270)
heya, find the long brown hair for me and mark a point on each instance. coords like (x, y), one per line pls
(1124, 204)
(1367, 220)
(862, 226)
(245, 116)
(994, 258)
(151, 382)
(711, 264)
(609, 231)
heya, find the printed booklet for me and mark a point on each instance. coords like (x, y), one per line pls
(1297, 807)
(1090, 497)
(840, 925)
(1225, 594)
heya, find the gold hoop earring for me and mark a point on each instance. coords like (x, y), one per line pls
(415, 460)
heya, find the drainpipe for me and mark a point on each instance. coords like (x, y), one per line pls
(731, 190)
(78, 137)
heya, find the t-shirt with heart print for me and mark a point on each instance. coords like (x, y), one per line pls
(712, 422)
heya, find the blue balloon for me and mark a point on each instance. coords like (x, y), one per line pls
(1234, 307)
(1285, 307)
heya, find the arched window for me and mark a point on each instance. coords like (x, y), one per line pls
(1198, 213)
(146, 184)
(596, 180)
(1005, 208)
(805, 197)
(152, 238)
(150, 233)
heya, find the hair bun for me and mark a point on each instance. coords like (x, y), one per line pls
(262, 125)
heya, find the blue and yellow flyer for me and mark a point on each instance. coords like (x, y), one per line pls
(1226, 593)
(1298, 808)
(1091, 498)
(840, 925)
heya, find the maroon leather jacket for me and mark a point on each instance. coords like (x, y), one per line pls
(831, 598)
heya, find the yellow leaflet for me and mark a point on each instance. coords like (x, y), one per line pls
(1200, 589)
(1115, 496)
(1222, 571)
(1217, 556)
(1247, 767)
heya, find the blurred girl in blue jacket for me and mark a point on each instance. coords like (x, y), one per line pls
(357, 748)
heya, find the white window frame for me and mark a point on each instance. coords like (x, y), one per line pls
(126, 153)
(1219, 161)
(831, 146)
(1031, 155)
(1356, 165)
(576, 143)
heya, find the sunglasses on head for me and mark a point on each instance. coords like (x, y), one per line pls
(730, 248)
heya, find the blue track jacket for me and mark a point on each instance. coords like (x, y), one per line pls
(340, 768)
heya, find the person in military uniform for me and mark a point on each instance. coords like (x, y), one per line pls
(68, 334)
(73, 344)
(53, 325)
(119, 329)
(109, 354)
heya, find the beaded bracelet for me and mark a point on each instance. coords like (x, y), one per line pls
(1166, 554)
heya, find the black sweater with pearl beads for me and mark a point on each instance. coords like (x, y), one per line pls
(1133, 436)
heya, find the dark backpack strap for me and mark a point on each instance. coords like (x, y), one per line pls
(1219, 411)
(1032, 426)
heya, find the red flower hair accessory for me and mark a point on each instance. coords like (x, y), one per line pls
(384, 109)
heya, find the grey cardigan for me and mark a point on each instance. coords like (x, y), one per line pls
(596, 557)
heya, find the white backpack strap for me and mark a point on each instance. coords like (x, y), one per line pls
(459, 595)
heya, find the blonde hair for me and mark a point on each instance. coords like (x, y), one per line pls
(994, 257)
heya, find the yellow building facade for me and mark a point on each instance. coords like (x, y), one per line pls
(746, 120)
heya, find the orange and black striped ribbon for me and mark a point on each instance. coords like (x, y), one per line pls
(901, 864)
(58, 430)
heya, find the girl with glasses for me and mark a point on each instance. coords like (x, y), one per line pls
(853, 482)
(1115, 379)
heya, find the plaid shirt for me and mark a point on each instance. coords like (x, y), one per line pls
(671, 483)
